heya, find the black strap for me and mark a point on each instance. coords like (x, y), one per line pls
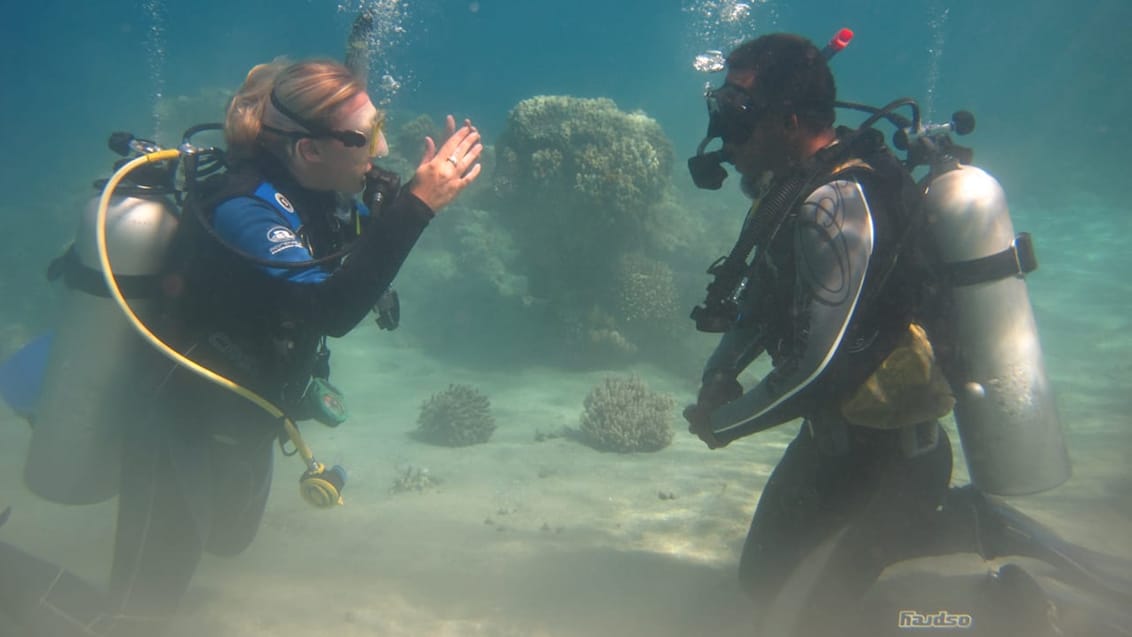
(1018, 258)
(77, 276)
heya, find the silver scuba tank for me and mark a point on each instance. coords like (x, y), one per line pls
(97, 361)
(1004, 409)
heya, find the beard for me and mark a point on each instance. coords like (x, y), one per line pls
(754, 186)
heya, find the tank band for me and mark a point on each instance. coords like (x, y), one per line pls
(1018, 259)
(77, 276)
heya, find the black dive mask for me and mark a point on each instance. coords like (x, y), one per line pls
(732, 115)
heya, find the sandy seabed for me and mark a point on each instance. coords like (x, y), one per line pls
(516, 536)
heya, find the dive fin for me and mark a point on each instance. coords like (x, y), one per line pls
(21, 376)
(1067, 609)
(1019, 534)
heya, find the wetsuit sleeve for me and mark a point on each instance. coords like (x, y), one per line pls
(740, 346)
(833, 244)
(332, 303)
(340, 302)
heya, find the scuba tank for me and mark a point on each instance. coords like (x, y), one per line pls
(1004, 408)
(97, 361)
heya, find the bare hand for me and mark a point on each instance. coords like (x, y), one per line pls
(446, 171)
(699, 423)
(719, 388)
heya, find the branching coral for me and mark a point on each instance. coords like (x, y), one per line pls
(456, 417)
(624, 415)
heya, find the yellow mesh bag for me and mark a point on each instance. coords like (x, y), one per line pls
(906, 389)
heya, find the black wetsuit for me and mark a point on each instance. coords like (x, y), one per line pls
(198, 459)
(823, 304)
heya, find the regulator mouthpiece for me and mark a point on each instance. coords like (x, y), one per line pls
(707, 168)
(322, 487)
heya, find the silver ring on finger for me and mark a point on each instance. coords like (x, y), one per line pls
(453, 160)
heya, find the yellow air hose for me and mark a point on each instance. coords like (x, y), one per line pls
(316, 487)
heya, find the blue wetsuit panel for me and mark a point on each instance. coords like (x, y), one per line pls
(259, 229)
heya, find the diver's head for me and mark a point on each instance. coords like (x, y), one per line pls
(775, 104)
(775, 107)
(313, 116)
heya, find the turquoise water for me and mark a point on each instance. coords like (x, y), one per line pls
(1046, 81)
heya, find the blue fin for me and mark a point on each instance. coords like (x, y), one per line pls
(21, 376)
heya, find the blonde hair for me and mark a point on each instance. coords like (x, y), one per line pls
(312, 90)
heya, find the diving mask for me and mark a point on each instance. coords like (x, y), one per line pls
(732, 115)
(371, 139)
